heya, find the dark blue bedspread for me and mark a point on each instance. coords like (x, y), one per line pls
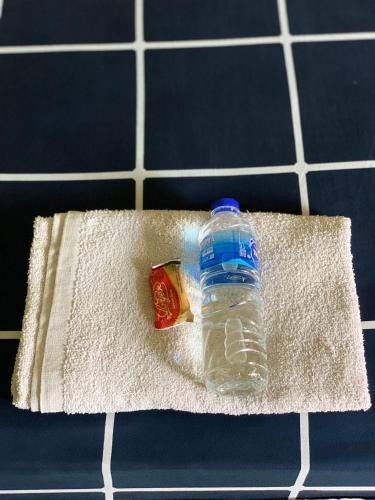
(170, 104)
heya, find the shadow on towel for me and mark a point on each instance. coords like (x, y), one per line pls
(179, 347)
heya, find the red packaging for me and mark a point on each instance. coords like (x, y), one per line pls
(170, 301)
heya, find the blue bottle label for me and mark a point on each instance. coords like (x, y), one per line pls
(228, 248)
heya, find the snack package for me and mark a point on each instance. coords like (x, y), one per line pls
(170, 300)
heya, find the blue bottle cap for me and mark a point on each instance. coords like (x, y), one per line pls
(225, 202)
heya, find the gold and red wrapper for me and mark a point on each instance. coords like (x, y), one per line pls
(170, 300)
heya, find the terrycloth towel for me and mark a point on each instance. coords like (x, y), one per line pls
(88, 342)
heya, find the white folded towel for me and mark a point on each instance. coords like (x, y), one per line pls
(88, 344)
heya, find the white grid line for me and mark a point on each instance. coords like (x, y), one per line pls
(294, 105)
(9, 334)
(302, 181)
(339, 488)
(305, 456)
(203, 489)
(303, 191)
(192, 489)
(368, 325)
(205, 172)
(334, 37)
(340, 165)
(107, 455)
(66, 47)
(44, 491)
(292, 83)
(217, 42)
(140, 105)
(76, 176)
(182, 44)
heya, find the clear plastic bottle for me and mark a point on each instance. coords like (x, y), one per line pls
(235, 359)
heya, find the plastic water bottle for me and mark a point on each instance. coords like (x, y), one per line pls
(235, 359)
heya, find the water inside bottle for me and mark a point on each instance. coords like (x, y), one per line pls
(235, 359)
(233, 342)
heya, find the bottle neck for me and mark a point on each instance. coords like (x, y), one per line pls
(225, 210)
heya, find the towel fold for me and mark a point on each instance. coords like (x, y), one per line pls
(88, 343)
